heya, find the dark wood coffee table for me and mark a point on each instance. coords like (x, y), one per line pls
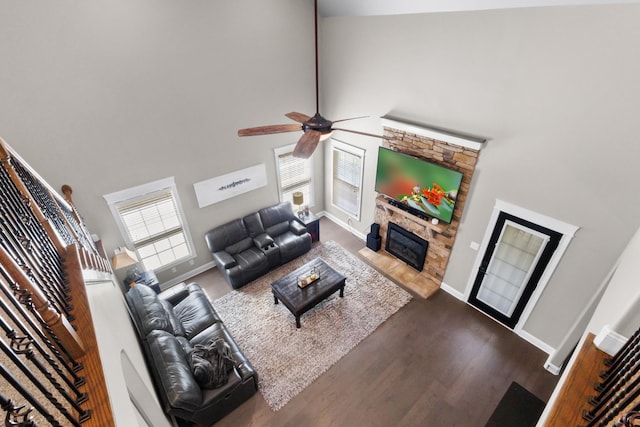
(300, 300)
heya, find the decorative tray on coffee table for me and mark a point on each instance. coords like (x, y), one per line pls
(308, 278)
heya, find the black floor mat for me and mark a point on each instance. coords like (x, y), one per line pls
(517, 408)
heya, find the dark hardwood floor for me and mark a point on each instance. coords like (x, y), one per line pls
(436, 362)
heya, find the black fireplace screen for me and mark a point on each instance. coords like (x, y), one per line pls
(406, 246)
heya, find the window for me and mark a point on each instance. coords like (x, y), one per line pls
(294, 174)
(151, 221)
(347, 168)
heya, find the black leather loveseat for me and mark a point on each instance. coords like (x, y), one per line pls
(246, 248)
(169, 325)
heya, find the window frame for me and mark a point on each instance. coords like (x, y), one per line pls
(309, 196)
(354, 151)
(141, 192)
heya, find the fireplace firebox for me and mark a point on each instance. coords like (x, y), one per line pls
(406, 246)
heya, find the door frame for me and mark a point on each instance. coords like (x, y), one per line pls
(568, 232)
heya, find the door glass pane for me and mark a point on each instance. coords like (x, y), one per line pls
(514, 258)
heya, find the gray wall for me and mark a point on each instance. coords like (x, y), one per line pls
(555, 91)
(106, 95)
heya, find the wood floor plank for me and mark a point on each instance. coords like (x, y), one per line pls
(436, 362)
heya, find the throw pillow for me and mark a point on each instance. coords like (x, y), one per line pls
(211, 363)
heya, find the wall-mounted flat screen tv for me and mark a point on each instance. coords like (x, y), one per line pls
(421, 186)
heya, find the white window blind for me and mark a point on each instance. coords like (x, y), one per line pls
(294, 174)
(347, 168)
(152, 223)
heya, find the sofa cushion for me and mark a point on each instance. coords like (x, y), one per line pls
(226, 235)
(175, 293)
(150, 311)
(240, 246)
(176, 326)
(278, 229)
(195, 313)
(275, 214)
(253, 224)
(181, 389)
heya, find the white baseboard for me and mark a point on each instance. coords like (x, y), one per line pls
(452, 291)
(344, 225)
(535, 341)
(555, 370)
(187, 275)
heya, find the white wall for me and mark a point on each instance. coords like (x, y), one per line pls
(619, 306)
(554, 90)
(106, 95)
(122, 359)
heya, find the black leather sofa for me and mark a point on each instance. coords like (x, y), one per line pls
(246, 248)
(169, 325)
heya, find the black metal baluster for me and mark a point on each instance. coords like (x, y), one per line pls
(37, 383)
(80, 397)
(46, 206)
(617, 403)
(21, 301)
(626, 375)
(12, 248)
(21, 345)
(23, 223)
(630, 419)
(16, 415)
(47, 247)
(617, 370)
(27, 395)
(19, 226)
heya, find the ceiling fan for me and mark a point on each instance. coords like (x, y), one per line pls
(315, 128)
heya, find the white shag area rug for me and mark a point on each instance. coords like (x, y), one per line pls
(288, 359)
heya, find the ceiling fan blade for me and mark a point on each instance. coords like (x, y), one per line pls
(351, 118)
(298, 117)
(266, 130)
(360, 133)
(307, 144)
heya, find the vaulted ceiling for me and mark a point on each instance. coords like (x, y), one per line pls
(397, 7)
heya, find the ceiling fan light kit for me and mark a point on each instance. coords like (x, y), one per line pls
(316, 128)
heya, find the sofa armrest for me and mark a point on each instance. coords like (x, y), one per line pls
(173, 371)
(224, 260)
(263, 241)
(175, 294)
(297, 227)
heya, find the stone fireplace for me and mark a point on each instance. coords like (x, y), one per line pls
(451, 150)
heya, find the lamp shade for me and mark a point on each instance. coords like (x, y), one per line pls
(298, 198)
(123, 258)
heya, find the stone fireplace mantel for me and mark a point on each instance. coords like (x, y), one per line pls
(453, 150)
(454, 138)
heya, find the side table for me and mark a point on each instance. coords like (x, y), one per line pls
(148, 278)
(313, 225)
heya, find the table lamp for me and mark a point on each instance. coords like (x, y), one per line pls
(122, 258)
(298, 199)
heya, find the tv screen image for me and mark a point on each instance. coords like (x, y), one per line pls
(429, 188)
